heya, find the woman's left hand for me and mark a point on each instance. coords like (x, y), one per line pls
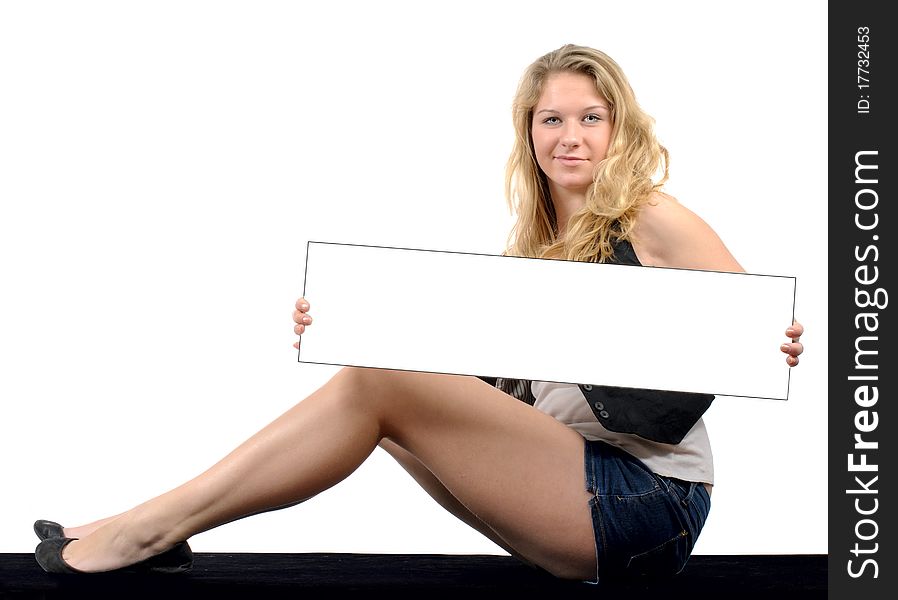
(795, 348)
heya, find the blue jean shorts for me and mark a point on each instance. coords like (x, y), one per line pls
(644, 523)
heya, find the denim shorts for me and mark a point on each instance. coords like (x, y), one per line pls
(644, 523)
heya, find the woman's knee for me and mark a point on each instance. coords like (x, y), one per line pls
(400, 400)
(363, 381)
(372, 384)
(366, 389)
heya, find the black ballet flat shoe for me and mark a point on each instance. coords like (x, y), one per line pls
(48, 529)
(177, 559)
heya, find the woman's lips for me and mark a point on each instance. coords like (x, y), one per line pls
(570, 161)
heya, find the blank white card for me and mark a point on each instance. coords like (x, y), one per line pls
(547, 320)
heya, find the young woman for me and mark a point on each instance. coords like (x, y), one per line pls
(585, 179)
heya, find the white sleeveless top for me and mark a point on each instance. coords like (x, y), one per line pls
(690, 460)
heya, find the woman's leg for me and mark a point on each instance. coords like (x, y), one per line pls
(435, 488)
(427, 480)
(519, 471)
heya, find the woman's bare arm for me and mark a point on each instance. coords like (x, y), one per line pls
(667, 234)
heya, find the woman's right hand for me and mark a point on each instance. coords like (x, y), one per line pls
(301, 318)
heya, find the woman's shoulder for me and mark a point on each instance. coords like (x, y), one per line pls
(667, 234)
(662, 216)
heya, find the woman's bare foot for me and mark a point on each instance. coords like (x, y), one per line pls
(111, 546)
(82, 531)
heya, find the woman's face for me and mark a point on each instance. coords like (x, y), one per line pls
(571, 131)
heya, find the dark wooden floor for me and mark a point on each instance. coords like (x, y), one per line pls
(421, 575)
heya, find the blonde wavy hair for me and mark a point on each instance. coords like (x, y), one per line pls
(622, 182)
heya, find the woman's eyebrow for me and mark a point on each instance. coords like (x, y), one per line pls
(593, 107)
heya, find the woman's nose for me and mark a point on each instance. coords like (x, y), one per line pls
(570, 137)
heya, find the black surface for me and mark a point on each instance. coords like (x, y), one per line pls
(419, 575)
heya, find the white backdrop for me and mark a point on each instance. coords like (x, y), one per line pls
(163, 164)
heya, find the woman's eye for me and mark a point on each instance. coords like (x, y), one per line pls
(592, 118)
(551, 120)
